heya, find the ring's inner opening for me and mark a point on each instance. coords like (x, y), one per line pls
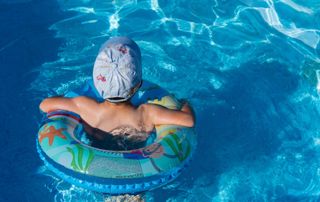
(99, 139)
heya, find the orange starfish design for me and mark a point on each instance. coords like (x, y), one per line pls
(50, 132)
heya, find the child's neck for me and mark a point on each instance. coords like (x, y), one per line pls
(117, 105)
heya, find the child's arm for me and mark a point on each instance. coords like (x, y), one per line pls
(56, 103)
(161, 115)
(85, 107)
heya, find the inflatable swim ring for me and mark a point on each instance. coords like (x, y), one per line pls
(115, 172)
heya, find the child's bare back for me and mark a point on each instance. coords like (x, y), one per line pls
(117, 75)
(121, 117)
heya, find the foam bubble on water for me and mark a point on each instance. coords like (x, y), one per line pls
(215, 83)
(165, 19)
(67, 192)
(155, 5)
(71, 84)
(168, 66)
(89, 22)
(42, 170)
(180, 41)
(114, 21)
(316, 141)
(318, 80)
(82, 9)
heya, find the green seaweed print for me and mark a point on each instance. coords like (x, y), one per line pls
(77, 158)
(175, 143)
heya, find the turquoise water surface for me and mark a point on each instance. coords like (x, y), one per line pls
(250, 68)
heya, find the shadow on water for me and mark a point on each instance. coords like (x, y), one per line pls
(248, 112)
(242, 126)
(25, 43)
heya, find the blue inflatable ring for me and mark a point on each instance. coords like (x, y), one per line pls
(115, 172)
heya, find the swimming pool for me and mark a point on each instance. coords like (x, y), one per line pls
(250, 69)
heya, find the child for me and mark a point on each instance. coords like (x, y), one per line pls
(117, 75)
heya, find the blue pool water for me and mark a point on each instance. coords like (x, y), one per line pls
(250, 68)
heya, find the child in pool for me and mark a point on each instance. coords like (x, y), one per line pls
(117, 75)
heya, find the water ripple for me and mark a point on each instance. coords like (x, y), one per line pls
(250, 68)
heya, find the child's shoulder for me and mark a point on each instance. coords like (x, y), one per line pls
(84, 99)
(149, 106)
(149, 109)
(87, 102)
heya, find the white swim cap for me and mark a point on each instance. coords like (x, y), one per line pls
(117, 69)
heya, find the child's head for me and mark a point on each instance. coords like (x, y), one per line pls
(117, 71)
